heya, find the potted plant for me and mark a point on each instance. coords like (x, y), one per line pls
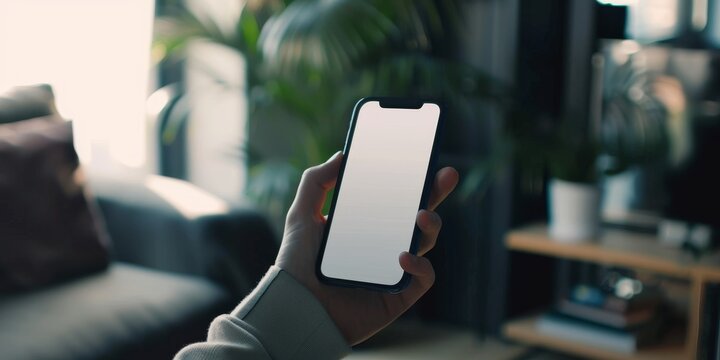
(573, 190)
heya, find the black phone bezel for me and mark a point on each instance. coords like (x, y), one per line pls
(385, 102)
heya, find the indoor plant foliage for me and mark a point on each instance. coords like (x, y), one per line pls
(309, 61)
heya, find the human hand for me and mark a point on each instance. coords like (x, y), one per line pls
(358, 313)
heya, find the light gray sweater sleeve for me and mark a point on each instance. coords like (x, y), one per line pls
(279, 320)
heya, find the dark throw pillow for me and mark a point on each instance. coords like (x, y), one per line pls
(27, 102)
(49, 229)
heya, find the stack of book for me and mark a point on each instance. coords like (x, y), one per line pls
(599, 319)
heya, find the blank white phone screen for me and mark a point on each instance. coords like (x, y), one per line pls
(380, 194)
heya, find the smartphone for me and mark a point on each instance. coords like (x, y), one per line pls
(385, 179)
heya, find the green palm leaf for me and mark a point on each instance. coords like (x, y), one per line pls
(333, 35)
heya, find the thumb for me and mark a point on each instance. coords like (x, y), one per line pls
(314, 185)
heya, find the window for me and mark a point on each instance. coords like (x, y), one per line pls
(649, 20)
(653, 20)
(96, 55)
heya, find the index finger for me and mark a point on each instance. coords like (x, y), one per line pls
(445, 181)
(314, 185)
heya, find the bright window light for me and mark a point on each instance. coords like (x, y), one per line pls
(617, 2)
(96, 55)
(652, 20)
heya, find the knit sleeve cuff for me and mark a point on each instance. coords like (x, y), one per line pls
(289, 320)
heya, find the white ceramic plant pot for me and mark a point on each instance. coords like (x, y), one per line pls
(574, 211)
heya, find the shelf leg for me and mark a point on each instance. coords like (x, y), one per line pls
(696, 303)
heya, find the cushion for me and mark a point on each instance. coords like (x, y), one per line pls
(49, 229)
(27, 102)
(106, 315)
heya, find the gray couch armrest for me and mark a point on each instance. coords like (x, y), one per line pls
(172, 225)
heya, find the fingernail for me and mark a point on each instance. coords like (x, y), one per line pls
(335, 156)
(434, 217)
(413, 258)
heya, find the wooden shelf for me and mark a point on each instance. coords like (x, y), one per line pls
(620, 248)
(525, 330)
(625, 249)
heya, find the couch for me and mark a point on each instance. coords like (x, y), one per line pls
(180, 257)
